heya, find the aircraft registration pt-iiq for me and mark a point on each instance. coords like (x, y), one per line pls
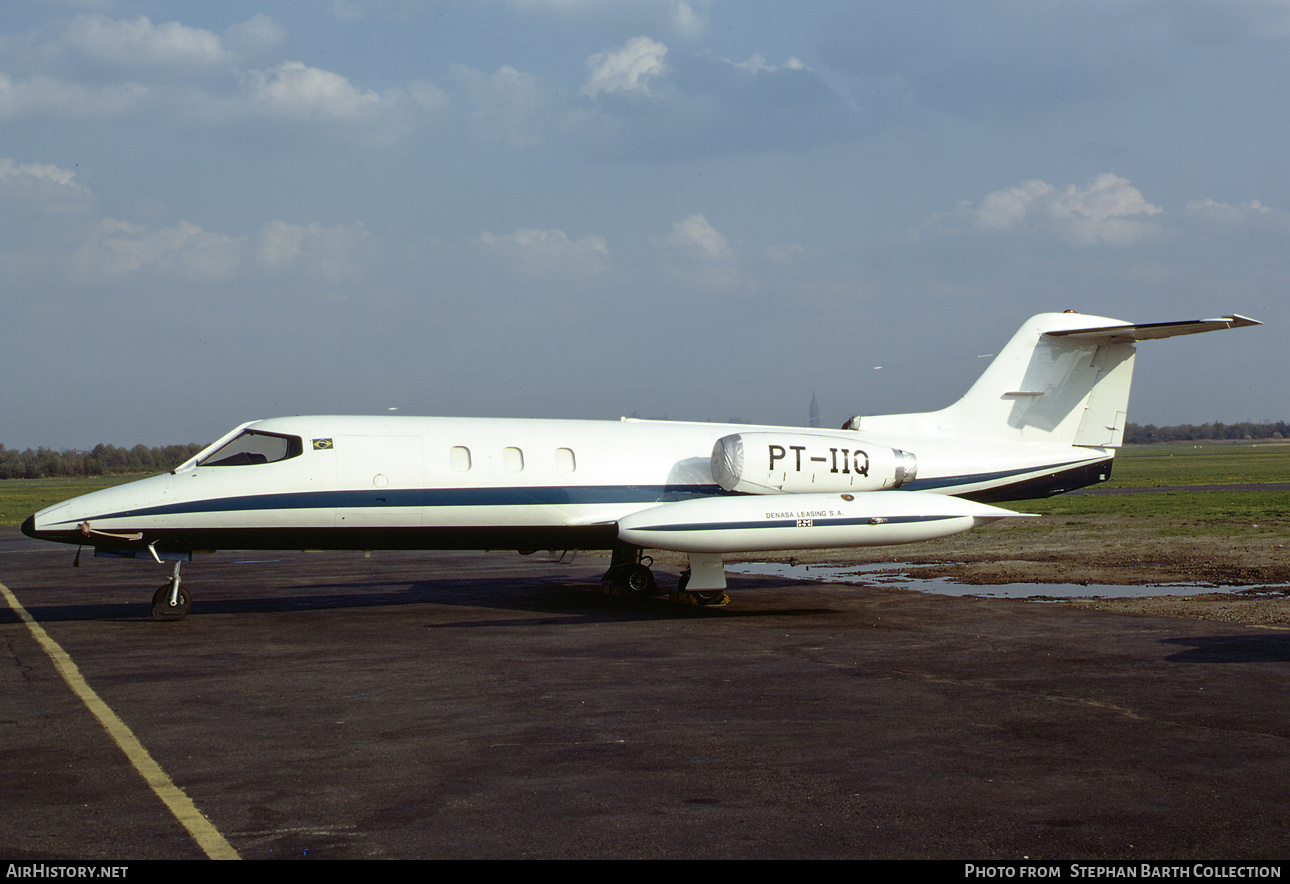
(1045, 417)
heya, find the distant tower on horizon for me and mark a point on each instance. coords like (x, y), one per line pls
(813, 413)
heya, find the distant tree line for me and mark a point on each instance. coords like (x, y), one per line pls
(1136, 434)
(102, 460)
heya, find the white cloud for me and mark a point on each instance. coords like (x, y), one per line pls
(627, 70)
(703, 104)
(14, 170)
(552, 251)
(1006, 208)
(41, 205)
(757, 64)
(428, 96)
(330, 252)
(46, 186)
(1239, 227)
(1228, 214)
(1108, 210)
(298, 92)
(707, 249)
(44, 95)
(118, 248)
(140, 43)
(687, 22)
(697, 235)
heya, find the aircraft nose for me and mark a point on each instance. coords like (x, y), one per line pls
(29, 526)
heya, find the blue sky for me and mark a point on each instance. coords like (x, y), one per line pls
(211, 213)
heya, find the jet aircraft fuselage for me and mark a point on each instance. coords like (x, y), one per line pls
(1045, 417)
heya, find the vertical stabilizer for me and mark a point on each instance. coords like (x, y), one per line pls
(1040, 388)
(1063, 379)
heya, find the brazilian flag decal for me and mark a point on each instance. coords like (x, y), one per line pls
(322, 444)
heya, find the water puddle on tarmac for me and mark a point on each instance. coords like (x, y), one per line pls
(906, 576)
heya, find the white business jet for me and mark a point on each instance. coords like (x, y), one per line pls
(1044, 418)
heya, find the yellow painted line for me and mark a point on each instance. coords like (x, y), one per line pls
(206, 835)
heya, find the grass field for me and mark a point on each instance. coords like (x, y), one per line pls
(1135, 467)
(19, 498)
(1144, 466)
(1156, 466)
(1212, 508)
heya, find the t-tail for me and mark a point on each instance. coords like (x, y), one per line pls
(1063, 379)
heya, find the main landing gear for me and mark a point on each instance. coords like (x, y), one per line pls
(629, 569)
(171, 601)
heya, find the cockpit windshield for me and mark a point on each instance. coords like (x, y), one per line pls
(253, 447)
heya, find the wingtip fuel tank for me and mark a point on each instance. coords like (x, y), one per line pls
(803, 521)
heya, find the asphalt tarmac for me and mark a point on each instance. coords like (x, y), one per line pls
(487, 705)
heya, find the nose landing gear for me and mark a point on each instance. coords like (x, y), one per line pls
(171, 601)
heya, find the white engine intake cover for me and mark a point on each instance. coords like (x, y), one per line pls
(803, 463)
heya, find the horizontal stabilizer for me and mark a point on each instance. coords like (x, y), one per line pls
(1152, 331)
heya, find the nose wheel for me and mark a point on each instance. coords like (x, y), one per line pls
(164, 609)
(171, 601)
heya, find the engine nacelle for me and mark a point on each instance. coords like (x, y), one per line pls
(805, 463)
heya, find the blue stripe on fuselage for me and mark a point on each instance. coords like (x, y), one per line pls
(794, 523)
(999, 476)
(431, 497)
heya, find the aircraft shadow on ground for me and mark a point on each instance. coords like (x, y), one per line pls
(1256, 648)
(551, 597)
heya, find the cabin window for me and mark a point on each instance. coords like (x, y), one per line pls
(513, 459)
(253, 447)
(564, 460)
(460, 458)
